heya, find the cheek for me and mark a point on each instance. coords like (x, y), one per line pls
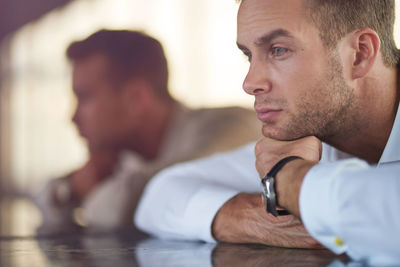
(110, 116)
(304, 93)
(304, 78)
(92, 112)
(290, 82)
(96, 116)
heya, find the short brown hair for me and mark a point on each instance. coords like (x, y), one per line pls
(131, 54)
(336, 18)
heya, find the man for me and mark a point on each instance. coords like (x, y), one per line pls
(319, 71)
(133, 128)
(348, 98)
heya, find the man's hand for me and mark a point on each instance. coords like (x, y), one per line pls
(243, 219)
(269, 151)
(290, 177)
(100, 165)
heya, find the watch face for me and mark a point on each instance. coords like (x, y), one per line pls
(269, 197)
(269, 188)
(269, 194)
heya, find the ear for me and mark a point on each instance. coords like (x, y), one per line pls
(137, 95)
(366, 44)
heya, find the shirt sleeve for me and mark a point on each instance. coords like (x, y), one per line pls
(351, 207)
(56, 206)
(112, 203)
(181, 202)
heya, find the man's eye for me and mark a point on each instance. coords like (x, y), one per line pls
(279, 51)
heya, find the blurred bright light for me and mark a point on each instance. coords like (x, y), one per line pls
(199, 39)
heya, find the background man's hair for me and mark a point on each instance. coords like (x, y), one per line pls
(130, 54)
(336, 18)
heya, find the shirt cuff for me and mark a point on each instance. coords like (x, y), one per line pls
(317, 202)
(203, 206)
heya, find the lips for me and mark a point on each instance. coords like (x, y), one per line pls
(265, 114)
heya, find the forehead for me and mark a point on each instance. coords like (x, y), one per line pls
(93, 64)
(259, 17)
(90, 71)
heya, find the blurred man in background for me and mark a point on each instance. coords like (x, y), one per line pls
(133, 128)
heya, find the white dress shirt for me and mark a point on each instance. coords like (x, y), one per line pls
(344, 202)
(181, 201)
(352, 207)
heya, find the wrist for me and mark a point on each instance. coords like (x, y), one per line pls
(242, 209)
(288, 184)
(269, 191)
(77, 188)
(63, 194)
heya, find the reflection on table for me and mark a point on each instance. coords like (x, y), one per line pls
(131, 248)
(21, 246)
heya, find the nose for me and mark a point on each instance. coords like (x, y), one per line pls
(257, 81)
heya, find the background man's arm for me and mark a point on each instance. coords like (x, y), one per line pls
(99, 167)
(58, 199)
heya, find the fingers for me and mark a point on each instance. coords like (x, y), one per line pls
(309, 148)
(286, 231)
(269, 151)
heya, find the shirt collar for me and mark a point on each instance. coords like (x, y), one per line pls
(391, 153)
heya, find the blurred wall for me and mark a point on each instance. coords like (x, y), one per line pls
(38, 141)
(15, 13)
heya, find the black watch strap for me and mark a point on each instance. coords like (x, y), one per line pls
(268, 183)
(280, 164)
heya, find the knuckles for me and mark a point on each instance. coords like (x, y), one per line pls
(269, 151)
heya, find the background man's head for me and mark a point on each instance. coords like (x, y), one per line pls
(113, 71)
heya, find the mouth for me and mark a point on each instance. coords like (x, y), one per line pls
(267, 114)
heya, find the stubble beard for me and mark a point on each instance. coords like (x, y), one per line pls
(326, 111)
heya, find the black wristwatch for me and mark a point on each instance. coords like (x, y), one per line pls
(268, 185)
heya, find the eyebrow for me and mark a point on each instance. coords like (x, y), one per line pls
(267, 38)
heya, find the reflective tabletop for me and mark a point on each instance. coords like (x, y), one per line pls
(131, 248)
(24, 246)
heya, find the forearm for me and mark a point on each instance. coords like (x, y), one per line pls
(243, 219)
(187, 208)
(97, 169)
(229, 223)
(56, 206)
(182, 201)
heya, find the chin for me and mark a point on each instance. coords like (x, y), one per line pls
(271, 132)
(277, 133)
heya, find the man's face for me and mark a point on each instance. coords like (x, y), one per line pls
(297, 83)
(100, 113)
